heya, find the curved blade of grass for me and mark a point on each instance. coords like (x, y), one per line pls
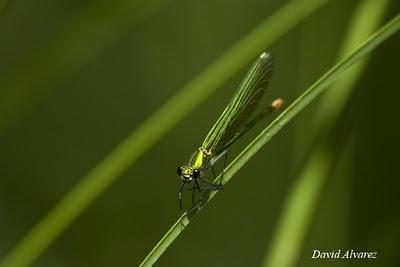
(301, 102)
(367, 18)
(125, 154)
(75, 44)
(53, 62)
(303, 199)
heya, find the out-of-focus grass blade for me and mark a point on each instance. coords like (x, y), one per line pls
(303, 199)
(125, 154)
(299, 104)
(75, 44)
(366, 19)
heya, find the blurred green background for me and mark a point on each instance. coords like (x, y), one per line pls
(124, 60)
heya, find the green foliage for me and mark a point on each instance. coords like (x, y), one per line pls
(304, 197)
(311, 183)
(163, 119)
(80, 40)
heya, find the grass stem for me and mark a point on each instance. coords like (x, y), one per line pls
(299, 104)
(151, 130)
(302, 200)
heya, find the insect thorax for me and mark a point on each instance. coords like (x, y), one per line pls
(200, 159)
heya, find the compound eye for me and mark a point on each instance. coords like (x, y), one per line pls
(196, 173)
(179, 170)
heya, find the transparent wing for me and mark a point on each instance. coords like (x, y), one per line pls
(241, 106)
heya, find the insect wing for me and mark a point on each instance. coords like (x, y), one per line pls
(241, 106)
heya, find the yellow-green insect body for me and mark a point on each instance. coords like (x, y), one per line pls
(234, 121)
(199, 162)
(198, 159)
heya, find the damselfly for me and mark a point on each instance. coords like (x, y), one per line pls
(235, 120)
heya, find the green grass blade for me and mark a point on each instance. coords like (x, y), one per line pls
(301, 102)
(303, 199)
(75, 44)
(367, 18)
(124, 155)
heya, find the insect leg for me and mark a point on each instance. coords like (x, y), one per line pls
(193, 192)
(217, 157)
(180, 198)
(213, 171)
(197, 186)
(214, 187)
(223, 171)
